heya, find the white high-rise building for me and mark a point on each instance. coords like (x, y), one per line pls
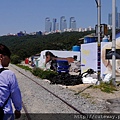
(117, 19)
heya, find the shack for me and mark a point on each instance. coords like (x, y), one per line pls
(61, 54)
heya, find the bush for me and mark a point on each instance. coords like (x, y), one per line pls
(44, 74)
(37, 72)
(48, 74)
(15, 59)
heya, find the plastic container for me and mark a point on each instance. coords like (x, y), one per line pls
(89, 39)
(76, 48)
(105, 39)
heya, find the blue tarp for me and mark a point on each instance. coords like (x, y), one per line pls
(118, 35)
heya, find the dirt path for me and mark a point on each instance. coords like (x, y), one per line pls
(94, 92)
(96, 95)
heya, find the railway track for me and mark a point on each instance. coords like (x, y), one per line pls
(78, 112)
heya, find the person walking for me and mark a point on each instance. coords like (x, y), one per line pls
(9, 89)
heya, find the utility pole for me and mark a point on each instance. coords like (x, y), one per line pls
(98, 2)
(113, 42)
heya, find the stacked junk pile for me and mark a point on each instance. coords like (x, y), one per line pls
(67, 79)
(67, 65)
(73, 62)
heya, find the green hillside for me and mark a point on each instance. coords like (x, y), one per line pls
(28, 45)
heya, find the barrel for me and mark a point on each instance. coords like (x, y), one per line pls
(76, 48)
(26, 61)
(89, 39)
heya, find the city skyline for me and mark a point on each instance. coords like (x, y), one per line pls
(54, 24)
(30, 15)
(71, 23)
(117, 19)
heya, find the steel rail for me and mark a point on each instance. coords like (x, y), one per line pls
(26, 112)
(71, 106)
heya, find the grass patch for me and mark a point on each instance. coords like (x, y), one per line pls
(106, 87)
(24, 67)
(47, 74)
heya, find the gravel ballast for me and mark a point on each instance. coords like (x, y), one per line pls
(38, 100)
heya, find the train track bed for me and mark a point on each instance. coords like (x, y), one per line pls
(41, 97)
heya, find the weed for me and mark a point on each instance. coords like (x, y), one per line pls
(106, 87)
(86, 95)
